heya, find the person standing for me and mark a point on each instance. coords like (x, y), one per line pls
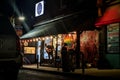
(65, 59)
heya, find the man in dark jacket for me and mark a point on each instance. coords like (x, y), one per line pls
(65, 58)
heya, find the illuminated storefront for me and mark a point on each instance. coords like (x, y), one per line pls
(58, 30)
(88, 45)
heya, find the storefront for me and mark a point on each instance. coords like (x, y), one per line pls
(109, 49)
(49, 33)
(55, 32)
(88, 45)
(46, 48)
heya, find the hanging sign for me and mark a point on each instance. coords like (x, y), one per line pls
(39, 8)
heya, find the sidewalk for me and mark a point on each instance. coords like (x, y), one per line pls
(114, 73)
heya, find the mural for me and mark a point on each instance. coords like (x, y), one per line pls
(89, 46)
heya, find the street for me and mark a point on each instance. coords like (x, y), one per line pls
(35, 75)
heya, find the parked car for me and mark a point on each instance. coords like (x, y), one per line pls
(10, 57)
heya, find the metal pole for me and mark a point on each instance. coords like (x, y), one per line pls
(83, 64)
(37, 61)
(56, 51)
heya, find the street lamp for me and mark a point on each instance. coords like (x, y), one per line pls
(21, 18)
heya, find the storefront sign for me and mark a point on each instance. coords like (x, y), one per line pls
(113, 38)
(39, 8)
(29, 50)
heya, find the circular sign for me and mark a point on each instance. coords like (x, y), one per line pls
(39, 8)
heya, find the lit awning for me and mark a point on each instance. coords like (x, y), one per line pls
(111, 15)
(55, 26)
(61, 25)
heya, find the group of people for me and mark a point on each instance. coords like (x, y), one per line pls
(67, 60)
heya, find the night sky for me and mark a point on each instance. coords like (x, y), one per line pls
(25, 7)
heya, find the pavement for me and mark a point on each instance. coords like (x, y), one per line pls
(108, 74)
